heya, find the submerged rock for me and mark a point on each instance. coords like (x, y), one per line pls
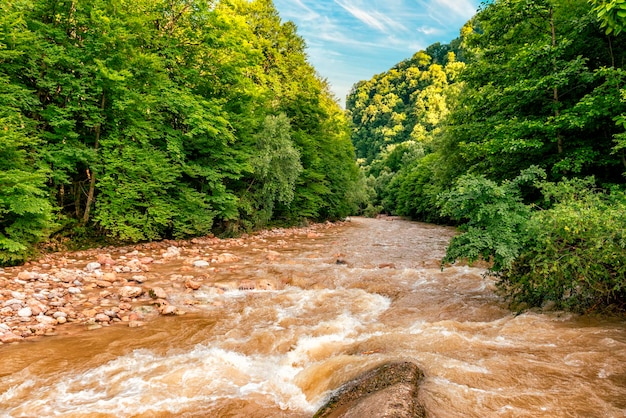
(387, 391)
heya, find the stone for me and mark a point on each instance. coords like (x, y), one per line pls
(26, 312)
(192, 284)
(102, 318)
(158, 293)
(171, 252)
(167, 309)
(135, 324)
(73, 290)
(201, 264)
(93, 266)
(9, 337)
(225, 258)
(61, 320)
(45, 319)
(387, 391)
(13, 302)
(130, 291)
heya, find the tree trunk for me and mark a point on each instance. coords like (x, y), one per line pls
(92, 175)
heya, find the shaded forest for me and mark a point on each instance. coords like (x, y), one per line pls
(515, 132)
(140, 120)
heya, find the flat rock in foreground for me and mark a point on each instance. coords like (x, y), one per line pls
(389, 390)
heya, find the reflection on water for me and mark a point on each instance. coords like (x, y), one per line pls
(278, 353)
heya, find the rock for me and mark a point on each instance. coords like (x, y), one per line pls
(167, 309)
(135, 324)
(105, 259)
(146, 260)
(171, 252)
(45, 319)
(109, 276)
(61, 320)
(103, 283)
(225, 258)
(158, 293)
(138, 279)
(13, 302)
(192, 284)
(93, 266)
(272, 255)
(58, 315)
(388, 391)
(25, 312)
(201, 264)
(102, 318)
(9, 337)
(73, 290)
(130, 291)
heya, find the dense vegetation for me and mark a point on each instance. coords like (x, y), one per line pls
(148, 119)
(515, 132)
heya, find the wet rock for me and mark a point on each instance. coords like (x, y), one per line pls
(138, 278)
(45, 319)
(192, 284)
(103, 283)
(389, 390)
(225, 258)
(146, 260)
(105, 259)
(130, 291)
(101, 317)
(135, 324)
(272, 255)
(168, 310)
(158, 293)
(61, 320)
(9, 337)
(171, 252)
(93, 266)
(201, 264)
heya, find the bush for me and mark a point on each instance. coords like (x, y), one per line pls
(569, 254)
(574, 251)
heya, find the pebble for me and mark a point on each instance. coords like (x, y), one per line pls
(93, 266)
(25, 312)
(201, 264)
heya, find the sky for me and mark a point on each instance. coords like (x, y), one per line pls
(352, 40)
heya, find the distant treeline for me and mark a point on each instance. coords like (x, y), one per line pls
(516, 133)
(148, 119)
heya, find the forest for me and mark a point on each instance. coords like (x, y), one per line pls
(515, 132)
(125, 121)
(129, 121)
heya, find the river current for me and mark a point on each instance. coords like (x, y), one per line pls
(355, 296)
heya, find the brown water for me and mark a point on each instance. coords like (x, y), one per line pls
(278, 353)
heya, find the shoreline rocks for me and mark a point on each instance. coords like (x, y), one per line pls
(116, 285)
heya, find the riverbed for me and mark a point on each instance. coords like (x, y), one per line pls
(273, 322)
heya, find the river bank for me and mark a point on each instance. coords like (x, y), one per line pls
(69, 292)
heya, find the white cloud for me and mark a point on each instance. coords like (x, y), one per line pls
(372, 18)
(462, 8)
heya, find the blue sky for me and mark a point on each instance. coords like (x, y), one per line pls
(351, 40)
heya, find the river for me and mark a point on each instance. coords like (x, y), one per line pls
(355, 296)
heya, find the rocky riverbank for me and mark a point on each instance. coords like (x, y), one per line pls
(86, 290)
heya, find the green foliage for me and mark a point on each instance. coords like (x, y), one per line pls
(494, 218)
(154, 120)
(574, 252)
(612, 15)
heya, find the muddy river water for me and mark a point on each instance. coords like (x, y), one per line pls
(354, 296)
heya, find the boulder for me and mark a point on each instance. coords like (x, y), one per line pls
(387, 391)
(130, 291)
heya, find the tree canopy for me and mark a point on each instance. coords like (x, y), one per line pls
(150, 119)
(494, 142)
